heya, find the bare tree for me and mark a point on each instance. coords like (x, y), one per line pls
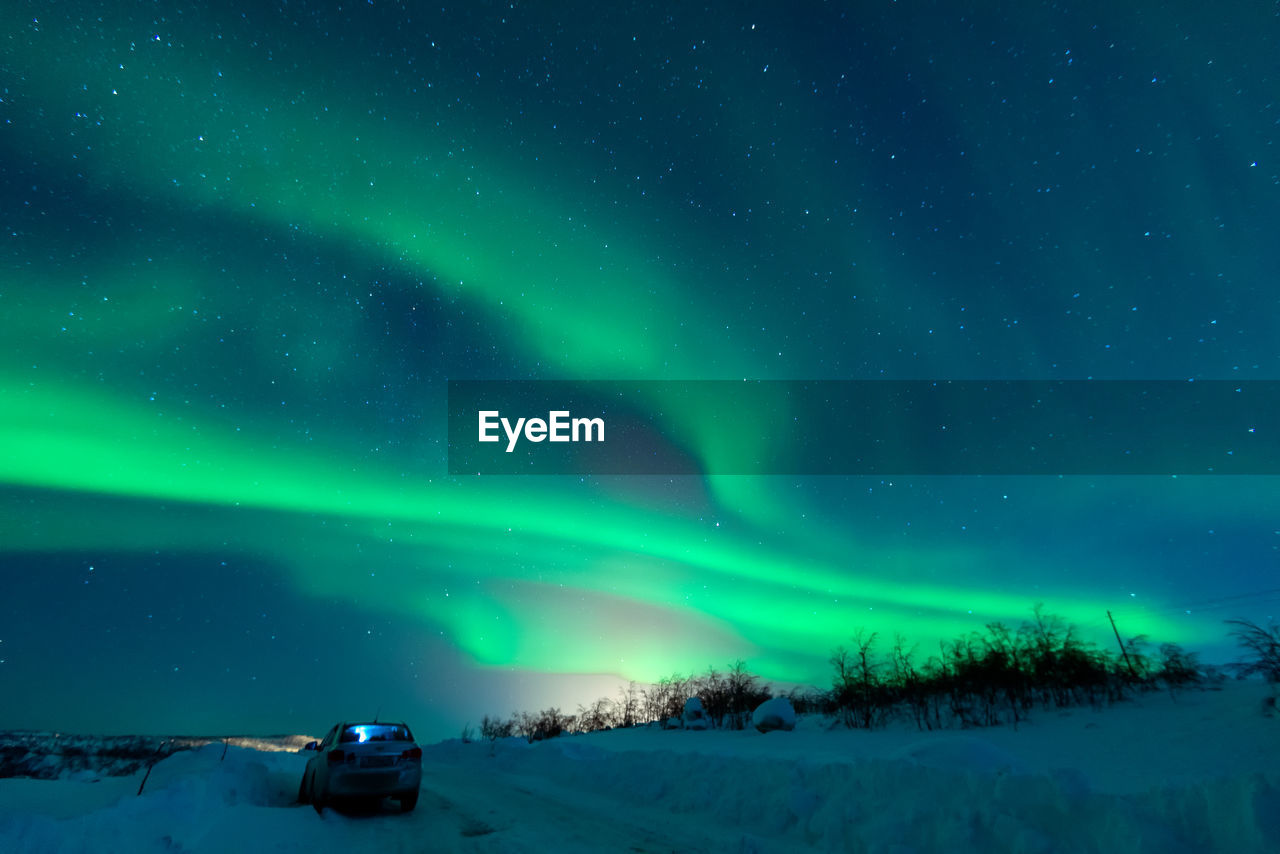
(1262, 646)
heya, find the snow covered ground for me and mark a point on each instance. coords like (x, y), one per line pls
(1195, 773)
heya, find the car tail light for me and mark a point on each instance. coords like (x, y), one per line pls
(412, 753)
(336, 756)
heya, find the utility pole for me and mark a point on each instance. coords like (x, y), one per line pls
(1123, 651)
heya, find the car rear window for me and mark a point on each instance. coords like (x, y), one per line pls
(375, 732)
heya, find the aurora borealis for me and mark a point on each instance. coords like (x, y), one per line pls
(244, 249)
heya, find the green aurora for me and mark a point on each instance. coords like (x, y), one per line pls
(243, 253)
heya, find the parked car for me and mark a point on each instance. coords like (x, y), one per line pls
(363, 761)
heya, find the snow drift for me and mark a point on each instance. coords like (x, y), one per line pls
(1198, 773)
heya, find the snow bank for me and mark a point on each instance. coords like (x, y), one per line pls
(187, 804)
(1199, 773)
(962, 797)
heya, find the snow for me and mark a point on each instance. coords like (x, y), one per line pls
(695, 716)
(1199, 772)
(774, 714)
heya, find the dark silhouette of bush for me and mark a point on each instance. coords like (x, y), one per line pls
(492, 729)
(531, 726)
(743, 693)
(713, 689)
(859, 696)
(626, 708)
(549, 723)
(665, 698)
(1262, 647)
(728, 698)
(1178, 668)
(994, 677)
(601, 714)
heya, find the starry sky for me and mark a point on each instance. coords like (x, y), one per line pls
(244, 248)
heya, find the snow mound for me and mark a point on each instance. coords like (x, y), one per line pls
(694, 716)
(774, 714)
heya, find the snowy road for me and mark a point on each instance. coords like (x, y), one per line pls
(473, 806)
(502, 812)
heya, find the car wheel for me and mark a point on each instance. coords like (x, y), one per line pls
(408, 802)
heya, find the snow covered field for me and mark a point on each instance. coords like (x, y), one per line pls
(1195, 773)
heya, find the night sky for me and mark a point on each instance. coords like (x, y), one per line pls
(242, 251)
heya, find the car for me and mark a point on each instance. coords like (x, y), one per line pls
(364, 760)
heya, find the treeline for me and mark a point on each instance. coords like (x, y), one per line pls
(992, 677)
(728, 697)
(997, 676)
